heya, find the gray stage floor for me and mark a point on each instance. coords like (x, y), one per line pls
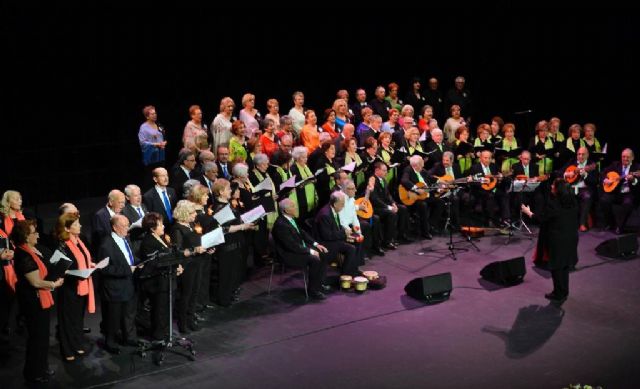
(482, 337)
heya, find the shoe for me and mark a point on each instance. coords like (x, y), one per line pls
(583, 228)
(209, 306)
(86, 330)
(390, 246)
(115, 350)
(71, 358)
(37, 380)
(199, 317)
(550, 296)
(618, 231)
(427, 235)
(317, 296)
(377, 251)
(81, 353)
(50, 373)
(325, 288)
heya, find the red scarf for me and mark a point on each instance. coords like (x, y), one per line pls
(9, 271)
(85, 287)
(46, 298)
(8, 221)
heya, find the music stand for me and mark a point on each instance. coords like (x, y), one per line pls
(167, 263)
(520, 187)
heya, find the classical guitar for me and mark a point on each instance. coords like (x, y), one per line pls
(446, 182)
(363, 205)
(409, 197)
(615, 178)
(572, 173)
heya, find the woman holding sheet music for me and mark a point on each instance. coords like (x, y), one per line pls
(508, 143)
(306, 194)
(230, 256)
(77, 294)
(35, 298)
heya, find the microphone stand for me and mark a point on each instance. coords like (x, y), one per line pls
(168, 264)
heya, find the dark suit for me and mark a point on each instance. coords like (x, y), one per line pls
(439, 205)
(177, 179)
(132, 215)
(357, 111)
(408, 181)
(333, 237)
(293, 248)
(536, 198)
(100, 227)
(624, 200)
(435, 154)
(380, 107)
(154, 203)
(221, 170)
(117, 293)
(587, 193)
(381, 200)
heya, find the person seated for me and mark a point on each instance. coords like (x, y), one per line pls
(414, 179)
(368, 228)
(448, 172)
(490, 197)
(296, 247)
(393, 216)
(524, 169)
(624, 193)
(585, 184)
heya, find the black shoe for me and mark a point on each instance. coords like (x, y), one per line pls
(555, 298)
(199, 317)
(618, 231)
(377, 251)
(115, 350)
(317, 296)
(390, 246)
(325, 288)
(50, 373)
(86, 330)
(427, 235)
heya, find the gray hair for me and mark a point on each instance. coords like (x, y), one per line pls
(286, 119)
(336, 196)
(209, 166)
(128, 190)
(240, 170)
(187, 186)
(436, 131)
(415, 160)
(448, 154)
(114, 195)
(344, 185)
(298, 152)
(183, 210)
(286, 203)
(260, 158)
(206, 154)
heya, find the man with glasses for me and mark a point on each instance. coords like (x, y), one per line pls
(183, 172)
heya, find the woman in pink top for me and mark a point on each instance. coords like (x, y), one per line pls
(249, 115)
(194, 126)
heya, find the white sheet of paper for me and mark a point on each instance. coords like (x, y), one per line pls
(136, 224)
(57, 255)
(290, 183)
(266, 184)
(224, 215)
(349, 167)
(318, 172)
(84, 273)
(212, 238)
(394, 165)
(604, 149)
(423, 137)
(253, 215)
(102, 264)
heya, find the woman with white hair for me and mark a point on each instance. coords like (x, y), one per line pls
(221, 125)
(305, 193)
(249, 115)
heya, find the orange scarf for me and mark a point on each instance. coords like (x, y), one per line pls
(46, 298)
(85, 287)
(9, 271)
(8, 222)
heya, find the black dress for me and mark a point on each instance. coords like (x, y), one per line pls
(189, 282)
(37, 318)
(231, 261)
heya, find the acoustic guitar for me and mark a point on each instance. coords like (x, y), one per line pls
(572, 173)
(490, 181)
(409, 197)
(615, 179)
(364, 208)
(446, 182)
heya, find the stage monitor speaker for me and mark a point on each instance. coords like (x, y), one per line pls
(509, 272)
(624, 246)
(431, 289)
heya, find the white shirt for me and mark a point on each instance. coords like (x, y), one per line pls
(160, 190)
(120, 242)
(348, 215)
(581, 184)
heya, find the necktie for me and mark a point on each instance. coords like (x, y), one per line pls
(450, 172)
(382, 182)
(337, 217)
(440, 146)
(420, 177)
(167, 206)
(526, 171)
(129, 251)
(224, 171)
(139, 211)
(293, 222)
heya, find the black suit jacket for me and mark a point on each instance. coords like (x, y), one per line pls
(591, 180)
(154, 203)
(288, 239)
(221, 171)
(410, 178)
(476, 169)
(326, 228)
(439, 170)
(617, 167)
(435, 155)
(117, 278)
(135, 234)
(100, 227)
(380, 197)
(178, 178)
(518, 169)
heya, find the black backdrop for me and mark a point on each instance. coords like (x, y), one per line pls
(75, 82)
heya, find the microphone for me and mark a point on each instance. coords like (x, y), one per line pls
(523, 112)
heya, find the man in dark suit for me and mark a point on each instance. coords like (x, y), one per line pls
(209, 176)
(297, 248)
(625, 192)
(118, 293)
(393, 216)
(101, 222)
(415, 180)
(524, 168)
(446, 195)
(222, 160)
(379, 105)
(182, 171)
(435, 148)
(361, 102)
(585, 185)
(161, 198)
(333, 236)
(134, 211)
(491, 200)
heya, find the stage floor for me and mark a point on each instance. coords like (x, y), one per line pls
(482, 337)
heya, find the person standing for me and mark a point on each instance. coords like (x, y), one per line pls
(559, 217)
